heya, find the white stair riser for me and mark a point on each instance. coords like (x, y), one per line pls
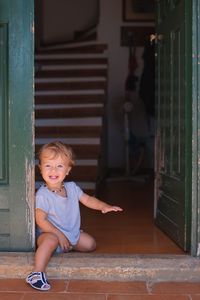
(69, 122)
(69, 141)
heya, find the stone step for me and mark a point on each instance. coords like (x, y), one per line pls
(107, 267)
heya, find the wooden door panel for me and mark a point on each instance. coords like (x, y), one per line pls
(3, 105)
(4, 159)
(172, 140)
(16, 126)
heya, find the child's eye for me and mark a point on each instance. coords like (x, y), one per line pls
(60, 166)
(47, 166)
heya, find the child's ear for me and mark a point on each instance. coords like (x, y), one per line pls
(69, 169)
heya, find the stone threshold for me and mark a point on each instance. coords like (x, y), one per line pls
(107, 267)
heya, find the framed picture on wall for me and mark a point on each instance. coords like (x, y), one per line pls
(138, 10)
(136, 36)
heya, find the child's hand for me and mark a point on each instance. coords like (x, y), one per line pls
(64, 242)
(110, 208)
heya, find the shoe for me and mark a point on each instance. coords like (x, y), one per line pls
(38, 281)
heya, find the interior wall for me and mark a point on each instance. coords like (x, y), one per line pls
(60, 21)
(109, 29)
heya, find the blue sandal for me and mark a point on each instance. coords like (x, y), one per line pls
(38, 281)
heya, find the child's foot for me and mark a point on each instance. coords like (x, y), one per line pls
(38, 281)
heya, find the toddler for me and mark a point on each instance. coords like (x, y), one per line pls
(57, 212)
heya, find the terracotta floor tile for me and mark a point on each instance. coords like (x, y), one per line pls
(137, 221)
(58, 285)
(14, 285)
(62, 296)
(148, 297)
(21, 285)
(107, 287)
(176, 288)
(11, 296)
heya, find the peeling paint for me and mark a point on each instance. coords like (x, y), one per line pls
(30, 203)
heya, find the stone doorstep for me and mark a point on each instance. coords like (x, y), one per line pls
(105, 267)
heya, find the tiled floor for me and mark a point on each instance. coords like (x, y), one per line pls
(133, 231)
(17, 289)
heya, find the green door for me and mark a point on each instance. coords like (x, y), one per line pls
(16, 125)
(173, 130)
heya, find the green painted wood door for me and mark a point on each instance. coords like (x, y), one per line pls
(173, 130)
(16, 125)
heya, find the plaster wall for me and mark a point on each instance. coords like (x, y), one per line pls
(61, 21)
(110, 22)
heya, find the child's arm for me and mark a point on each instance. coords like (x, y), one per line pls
(46, 226)
(97, 204)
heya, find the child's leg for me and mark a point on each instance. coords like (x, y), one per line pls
(86, 243)
(47, 243)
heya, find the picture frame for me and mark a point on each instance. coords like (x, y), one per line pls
(136, 36)
(138, 10)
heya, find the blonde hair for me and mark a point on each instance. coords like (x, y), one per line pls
(58, 148)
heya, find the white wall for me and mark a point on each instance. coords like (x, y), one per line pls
(63, 17)
(109, 32)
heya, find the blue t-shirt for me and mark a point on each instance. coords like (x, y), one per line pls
(63, 212)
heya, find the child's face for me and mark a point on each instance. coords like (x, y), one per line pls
(54, 169)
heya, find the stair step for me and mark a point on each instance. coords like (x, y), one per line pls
(75, 122)
(107, 267)
(64, 80)
(80, 162)
(69, 105)
(71, 141)
(74, 85)
(67, 112)
(70, 90)
(78, 48)
(48, 98)
(67, 131)
(78, 173)
(71, 73)
(81, 151)
(73, 67)
(67, 60)
(86, 35)
(88, 187)
(92, 92)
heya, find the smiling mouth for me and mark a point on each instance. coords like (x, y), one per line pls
(53, 177)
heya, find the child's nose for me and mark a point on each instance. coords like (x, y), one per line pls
(53, 168)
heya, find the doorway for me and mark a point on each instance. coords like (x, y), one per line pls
(131, 202)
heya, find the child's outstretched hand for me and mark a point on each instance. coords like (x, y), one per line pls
(109, 208)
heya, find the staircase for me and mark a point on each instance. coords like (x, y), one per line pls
(70, 93)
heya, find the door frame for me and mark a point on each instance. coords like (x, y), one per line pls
(195, 92)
